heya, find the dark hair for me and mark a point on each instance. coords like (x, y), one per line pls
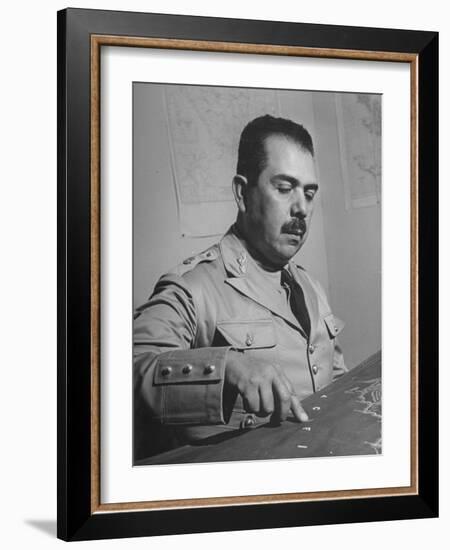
(252, 153)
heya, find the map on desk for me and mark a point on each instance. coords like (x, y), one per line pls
(344, 420)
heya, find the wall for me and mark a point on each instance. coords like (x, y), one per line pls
(353, 245)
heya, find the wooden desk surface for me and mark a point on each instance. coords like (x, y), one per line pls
(345, 419)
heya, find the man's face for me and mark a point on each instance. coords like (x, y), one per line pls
(279, 206)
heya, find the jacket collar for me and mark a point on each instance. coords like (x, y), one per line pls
(247, 278)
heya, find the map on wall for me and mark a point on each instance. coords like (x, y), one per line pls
(204, 128)
(359, 128)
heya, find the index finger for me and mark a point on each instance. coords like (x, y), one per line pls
(297, 410)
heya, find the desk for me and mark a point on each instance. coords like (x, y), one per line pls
(345, 419)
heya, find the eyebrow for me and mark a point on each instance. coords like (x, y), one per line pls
(294, 181)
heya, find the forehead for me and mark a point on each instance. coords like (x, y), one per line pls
(283, 155)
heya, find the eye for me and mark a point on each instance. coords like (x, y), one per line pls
(284, 189)
(310, 194)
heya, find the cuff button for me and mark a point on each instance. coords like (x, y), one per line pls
(166, 371)
(209, 369)
(187, 369)
(248, 422)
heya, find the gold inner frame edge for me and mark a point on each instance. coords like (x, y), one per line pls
(263, 49)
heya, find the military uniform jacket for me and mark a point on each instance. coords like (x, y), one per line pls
(217, 301)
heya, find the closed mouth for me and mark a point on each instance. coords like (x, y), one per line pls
(296, 232)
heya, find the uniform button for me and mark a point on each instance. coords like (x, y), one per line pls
(165, 371)
(209, 369)
(187, 369)
(311, 348)
(249, 339)
(315, 369)
(188, 261)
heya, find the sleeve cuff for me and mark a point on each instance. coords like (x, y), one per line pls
(185, 387)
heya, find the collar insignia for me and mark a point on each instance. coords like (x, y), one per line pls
(242, 261)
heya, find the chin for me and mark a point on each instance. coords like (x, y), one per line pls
(279, 256)
(292, 248)
(286, 254)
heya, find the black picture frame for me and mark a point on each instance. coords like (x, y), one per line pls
(79, 514)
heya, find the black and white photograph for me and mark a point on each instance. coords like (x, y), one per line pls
(256, 273)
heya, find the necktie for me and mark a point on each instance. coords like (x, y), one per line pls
(297, 301)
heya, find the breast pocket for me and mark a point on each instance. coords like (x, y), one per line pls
(248, 334)
(334, 325)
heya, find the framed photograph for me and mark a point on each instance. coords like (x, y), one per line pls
(226, 359)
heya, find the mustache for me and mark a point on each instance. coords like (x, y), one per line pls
(294, 226)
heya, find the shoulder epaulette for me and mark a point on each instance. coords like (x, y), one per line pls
(208, 255)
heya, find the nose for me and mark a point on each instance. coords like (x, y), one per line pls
(299, 203)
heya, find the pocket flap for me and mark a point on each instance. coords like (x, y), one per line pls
(252, 334)
(334, 325)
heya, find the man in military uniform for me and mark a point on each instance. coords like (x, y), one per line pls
(240, 334)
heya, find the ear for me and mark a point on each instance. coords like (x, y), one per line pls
(240, 185)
